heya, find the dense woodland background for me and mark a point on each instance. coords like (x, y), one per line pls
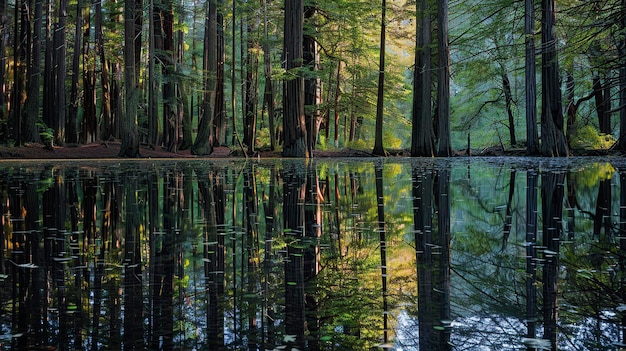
(429, 76)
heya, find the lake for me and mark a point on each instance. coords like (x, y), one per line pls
(324, 254)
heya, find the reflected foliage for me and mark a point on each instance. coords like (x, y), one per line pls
(313, 255)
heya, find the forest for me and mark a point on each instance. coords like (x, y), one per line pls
(426, 76)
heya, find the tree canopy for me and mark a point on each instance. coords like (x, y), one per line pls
(457, 75)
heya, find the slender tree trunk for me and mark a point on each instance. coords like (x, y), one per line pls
(72, 115)
(251, 83)
(532, 134)
(311, 82)
(443, 81)
(508, 95)
(269, 89)
(3, 59)
(622, 80)
(130, 134)
(153, 108)
(422, 131)
(18, 92)
(204, 139)
(60, 73)
(378, 139)
(294, 122)
(106, 130)
(336, 107)
(31, 131)
(553, 141)
(220, 121)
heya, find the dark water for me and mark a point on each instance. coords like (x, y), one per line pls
(462, 254)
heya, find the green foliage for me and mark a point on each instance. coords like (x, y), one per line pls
(45, 133)
(588, 137)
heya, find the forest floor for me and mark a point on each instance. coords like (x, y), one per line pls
(110, 150)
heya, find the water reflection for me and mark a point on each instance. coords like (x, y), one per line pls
(319, 255)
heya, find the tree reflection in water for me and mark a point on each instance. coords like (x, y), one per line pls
(313, 255)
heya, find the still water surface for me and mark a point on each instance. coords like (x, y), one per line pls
(460, 254)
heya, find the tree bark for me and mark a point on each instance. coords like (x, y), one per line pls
(251, 83)
(204, 139)
(294, 122)
(552, 133)
(622, 80)
(532, 135)
(312, 82)
(508, 96)
(378, 138)
(269, 90)
(31, 130)
(72, 115)
(60, 73)
(130, 133)
(422, 131)
(444, 148)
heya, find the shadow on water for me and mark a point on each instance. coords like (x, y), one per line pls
(405, 254)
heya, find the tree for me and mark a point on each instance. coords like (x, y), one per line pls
(378, 139)
(204, 139)
(312, 84)
(622, 79)
(294, 122)
(60, 73)
(31, 113)
(130, 133)
(553, 141)
(268, 95)
(532, 135)
(422, 132)
(443, 81)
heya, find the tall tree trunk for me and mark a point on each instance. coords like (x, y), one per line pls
(31, 130)
(251, 83)
(130, 133)
(294, 121)
(443, 81)
(106, 130)
(422, 135)
(72, 115)
(18, 92)
(532, 134)
(60, 73)
(3, 59)
(622, 80)
(153, 108)
(88, 130)
(380, 100)
(268, 97)
(204, 139)
(553, 141)
(219, 113)
(311, 82)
